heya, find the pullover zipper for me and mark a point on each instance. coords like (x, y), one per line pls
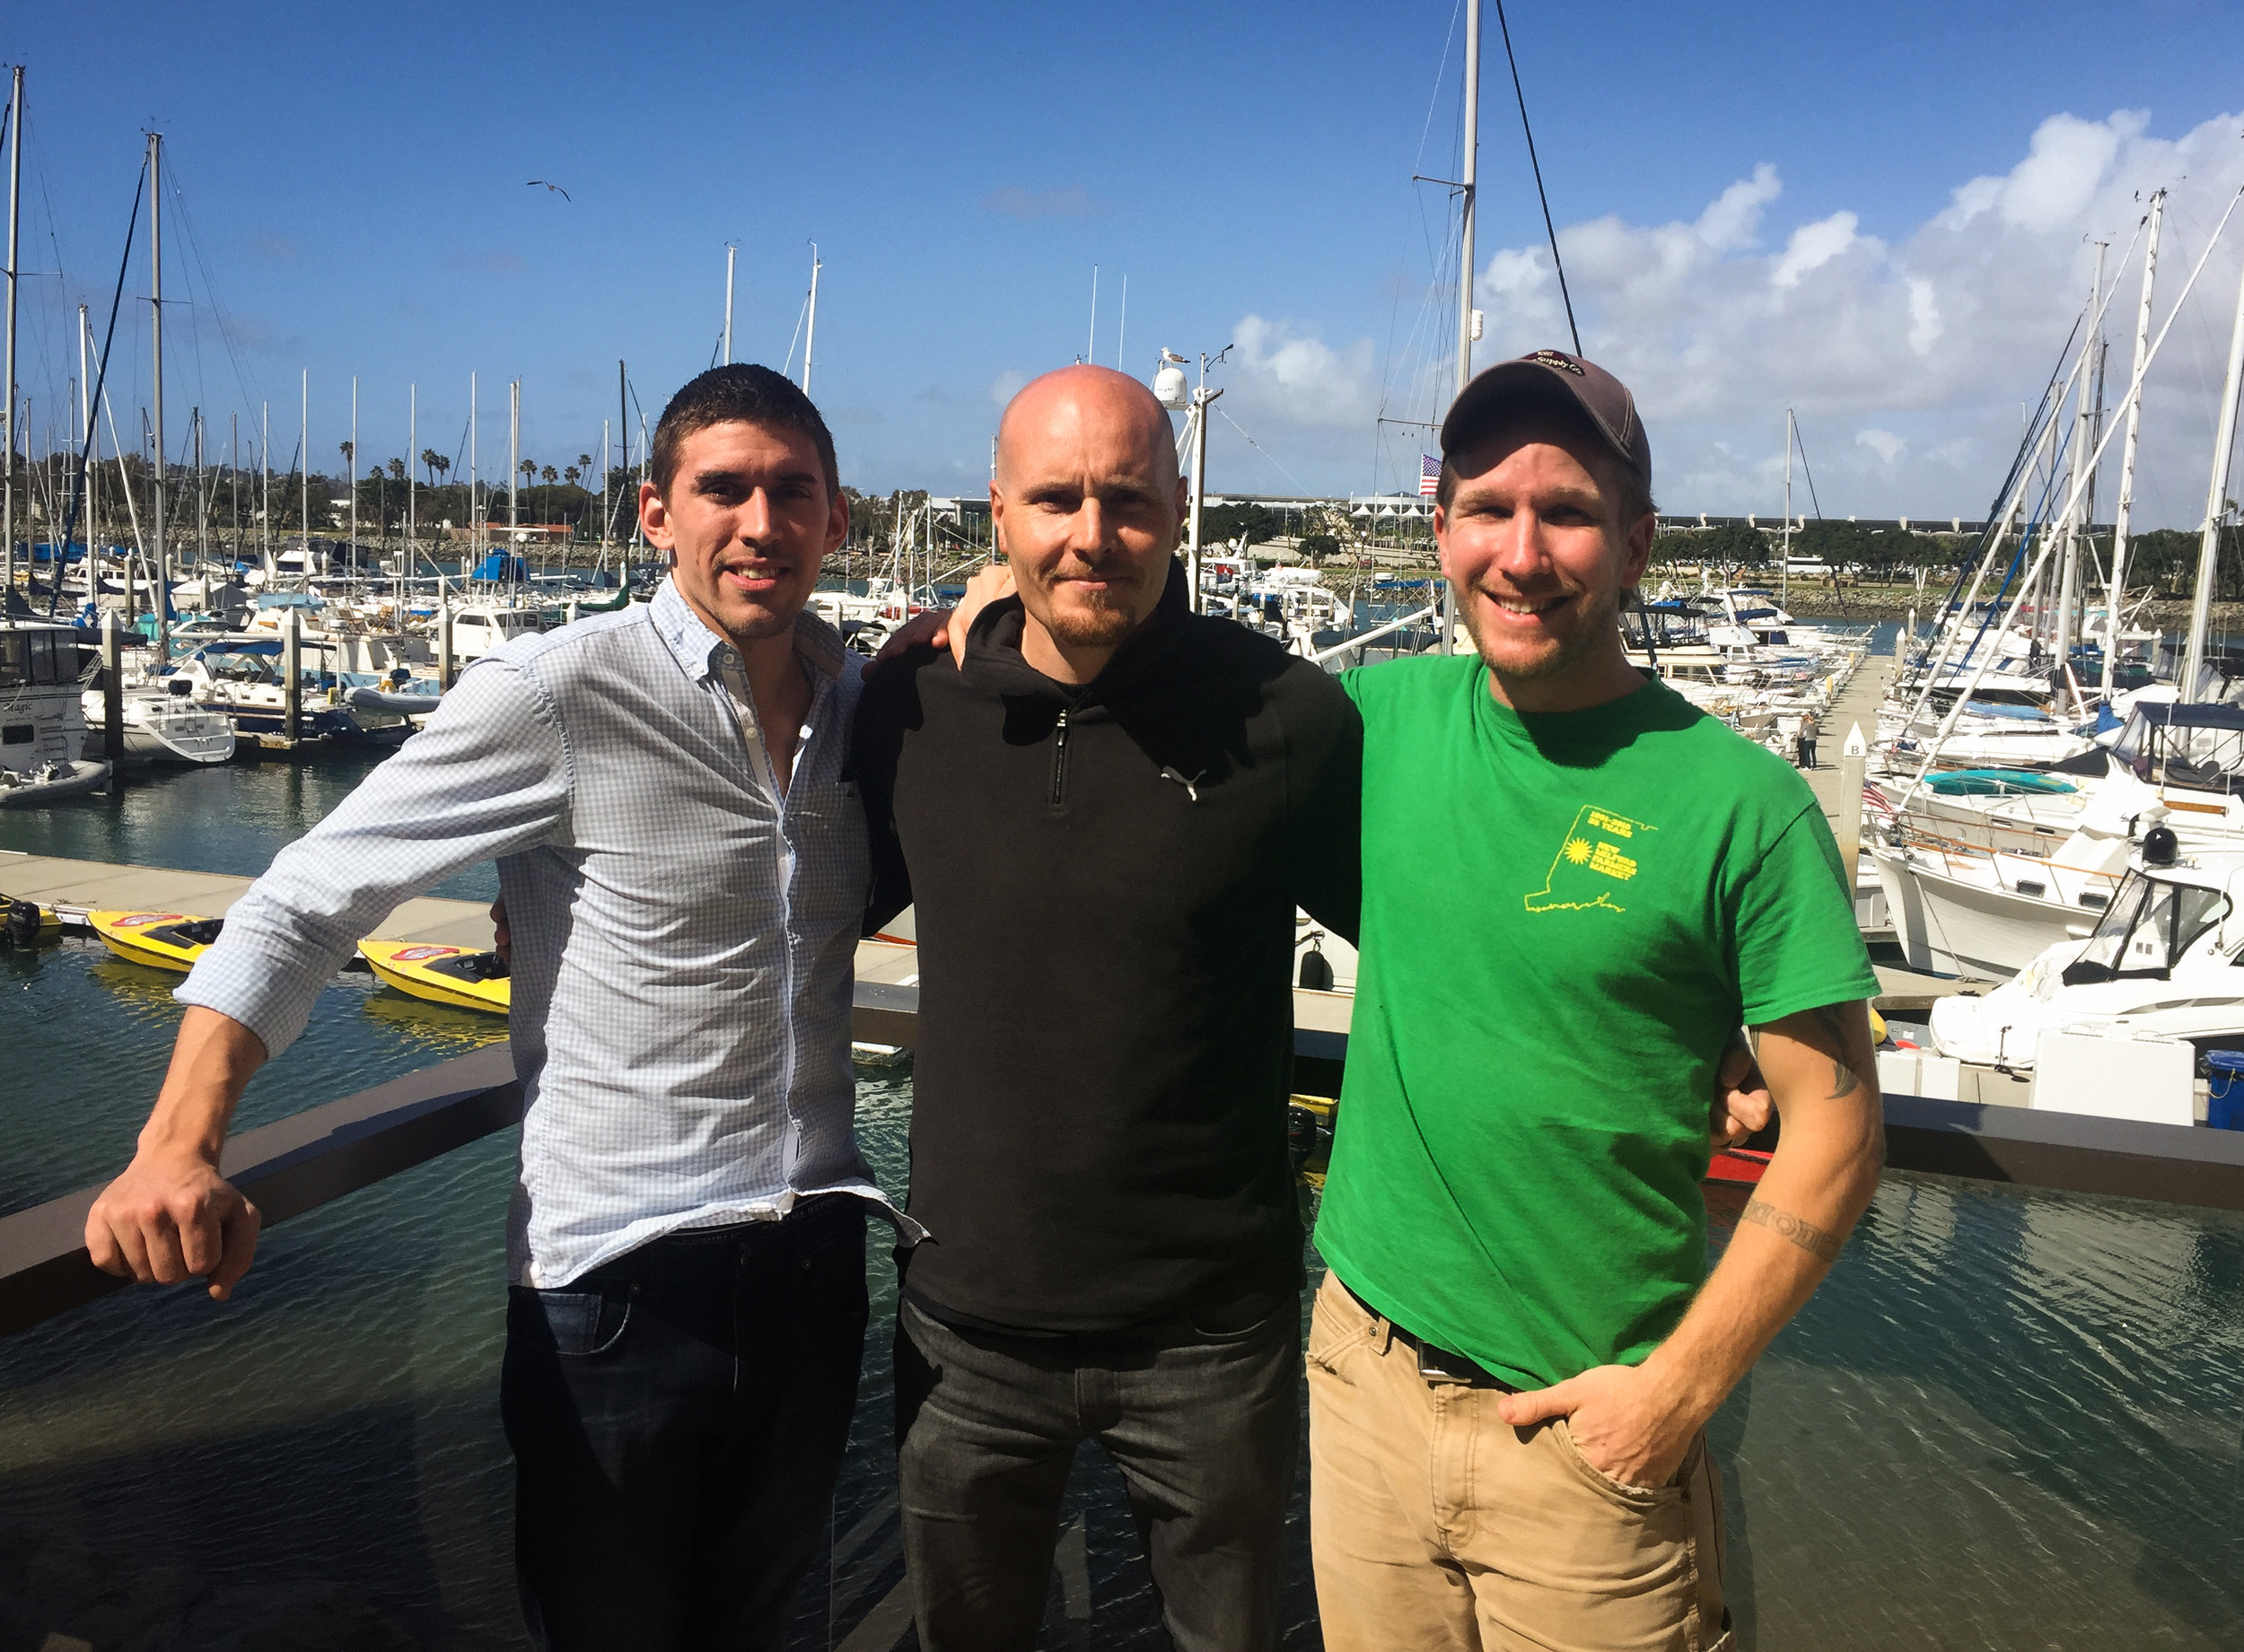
(1059, 759)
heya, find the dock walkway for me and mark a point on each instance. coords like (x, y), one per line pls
(82, 886)
(99, 885)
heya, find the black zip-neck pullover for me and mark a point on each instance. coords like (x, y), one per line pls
(1105, 880)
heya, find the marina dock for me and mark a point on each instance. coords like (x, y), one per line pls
(95, 886)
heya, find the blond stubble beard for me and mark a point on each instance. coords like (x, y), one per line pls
(1569, 652)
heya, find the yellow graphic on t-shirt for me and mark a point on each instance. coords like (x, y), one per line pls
(1590, 863)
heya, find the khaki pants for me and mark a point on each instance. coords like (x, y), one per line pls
(1437, 1525)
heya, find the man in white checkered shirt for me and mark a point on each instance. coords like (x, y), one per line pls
(684, 868)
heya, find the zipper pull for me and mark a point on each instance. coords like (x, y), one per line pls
(1059, 759)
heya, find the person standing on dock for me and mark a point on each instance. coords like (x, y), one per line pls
(1574, 885)
(683, 863)
(1807, 732)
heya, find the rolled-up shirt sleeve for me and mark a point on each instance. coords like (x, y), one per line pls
(488, 774)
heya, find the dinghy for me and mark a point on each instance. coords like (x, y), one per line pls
(161, 939)
(441, 974)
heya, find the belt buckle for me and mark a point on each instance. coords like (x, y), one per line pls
(1440, 1362)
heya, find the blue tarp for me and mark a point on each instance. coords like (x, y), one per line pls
(499, 565)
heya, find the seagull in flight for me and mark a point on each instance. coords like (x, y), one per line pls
(556, 188)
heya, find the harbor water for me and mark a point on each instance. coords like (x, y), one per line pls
(2008, 1419)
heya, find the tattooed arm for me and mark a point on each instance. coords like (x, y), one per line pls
(1635, 1422)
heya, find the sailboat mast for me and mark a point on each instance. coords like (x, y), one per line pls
(514, 474)
(730, 251)
(2126, 461)
(155, 311)
(1468, 189)
(810, 337)
(2084, 418)
(412, 473)
(304, 468)
(475, 518)
(2216, 504)
(1784, 554)
(86, 448)
(7, 425)
(351, 478)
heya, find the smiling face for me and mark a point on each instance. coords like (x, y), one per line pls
(1087, 503)
(747, 519)
(1532, 541)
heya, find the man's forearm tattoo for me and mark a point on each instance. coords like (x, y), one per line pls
(1824, 1246)
(1844, 1082)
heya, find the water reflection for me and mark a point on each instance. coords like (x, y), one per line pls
(2008, 1421)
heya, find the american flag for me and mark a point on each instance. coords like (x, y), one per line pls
(1429, 476)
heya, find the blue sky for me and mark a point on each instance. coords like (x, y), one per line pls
(355, 202)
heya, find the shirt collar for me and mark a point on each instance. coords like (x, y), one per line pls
(817, 643)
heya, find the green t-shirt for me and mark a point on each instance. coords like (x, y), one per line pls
(1565, 918)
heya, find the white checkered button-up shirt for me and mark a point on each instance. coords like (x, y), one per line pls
(682, 935)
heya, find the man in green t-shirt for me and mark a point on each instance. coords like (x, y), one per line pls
(1576, 886)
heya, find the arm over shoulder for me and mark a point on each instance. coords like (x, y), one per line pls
(1324, 741)
(889, 706)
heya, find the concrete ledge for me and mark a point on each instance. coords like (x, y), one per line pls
(2171, 1164)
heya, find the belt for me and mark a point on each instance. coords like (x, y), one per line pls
(1434, 1361)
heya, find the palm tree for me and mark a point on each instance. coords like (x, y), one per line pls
(435, 463)
(571, 475)
(548, 475)
(397, 470)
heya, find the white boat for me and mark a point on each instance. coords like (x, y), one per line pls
(163, 727)
(2160, 969)
(1989, 915)
(41, 722)
(480, 628)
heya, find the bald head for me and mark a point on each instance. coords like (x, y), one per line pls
(1075, 406)
(1087, 503)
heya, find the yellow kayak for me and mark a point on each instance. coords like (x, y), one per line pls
(161, 939)
(441, 974)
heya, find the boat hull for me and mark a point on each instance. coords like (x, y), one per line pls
(453, 975)
(170, 940)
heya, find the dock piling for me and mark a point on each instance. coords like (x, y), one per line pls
(113, 698)
(292, 679)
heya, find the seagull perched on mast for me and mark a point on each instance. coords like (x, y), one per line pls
(556, 188)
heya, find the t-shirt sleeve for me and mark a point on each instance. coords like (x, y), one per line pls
(1798, 944)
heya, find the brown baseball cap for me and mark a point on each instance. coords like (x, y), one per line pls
(1543, 376)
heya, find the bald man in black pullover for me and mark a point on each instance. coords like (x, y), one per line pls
(1105, 819)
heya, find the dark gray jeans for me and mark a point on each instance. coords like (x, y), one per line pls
(678, 1419)
(1204, 1424)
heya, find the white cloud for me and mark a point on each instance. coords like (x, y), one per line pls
(1288, 375)
(1814, 246)
(1736, 213)
(1006, 385)
(1924, 341)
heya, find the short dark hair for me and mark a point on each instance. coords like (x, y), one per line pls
(746, 394)
(1614, 474)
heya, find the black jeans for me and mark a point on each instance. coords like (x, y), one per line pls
(678, 1417)
(1205, 1425)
